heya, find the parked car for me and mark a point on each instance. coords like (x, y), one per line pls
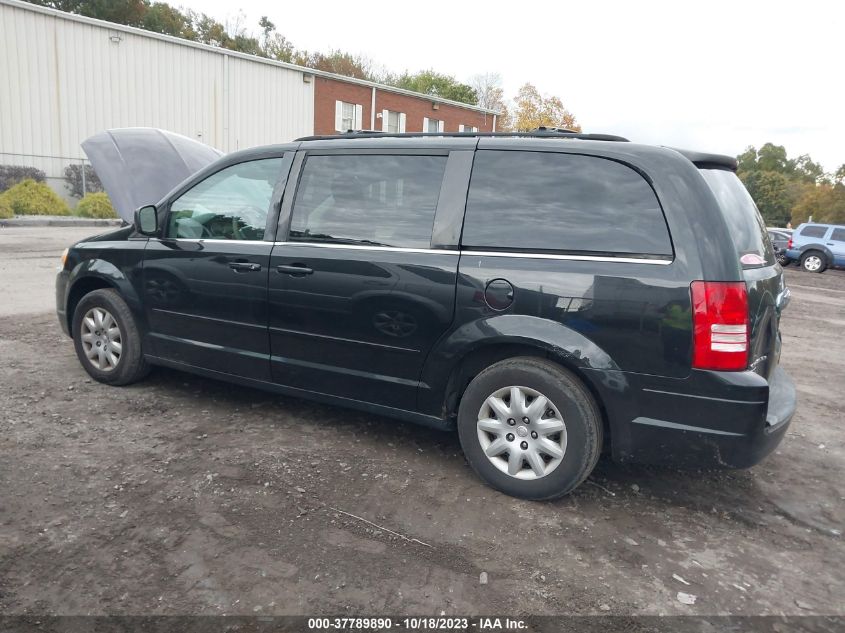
(818, 246)
(549, 295)
(780, 240)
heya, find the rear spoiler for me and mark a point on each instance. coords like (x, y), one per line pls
(702, 160)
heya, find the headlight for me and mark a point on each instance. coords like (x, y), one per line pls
(64, 259)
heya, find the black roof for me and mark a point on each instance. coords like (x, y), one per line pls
(702, 160)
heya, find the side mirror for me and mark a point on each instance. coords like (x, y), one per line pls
(146, 220)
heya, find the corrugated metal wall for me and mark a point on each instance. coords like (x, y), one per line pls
(63, 80)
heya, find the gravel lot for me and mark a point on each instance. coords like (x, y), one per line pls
(182, 495)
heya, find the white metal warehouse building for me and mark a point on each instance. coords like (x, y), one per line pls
(64, 78)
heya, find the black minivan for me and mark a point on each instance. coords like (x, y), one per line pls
(551, 295)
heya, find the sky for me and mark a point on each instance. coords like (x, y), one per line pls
(713, 76)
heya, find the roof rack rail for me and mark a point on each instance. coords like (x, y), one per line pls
(540, 132)
(545, 128)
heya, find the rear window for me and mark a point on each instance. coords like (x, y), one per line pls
(744, 222)
(813, 230)
(536, 201)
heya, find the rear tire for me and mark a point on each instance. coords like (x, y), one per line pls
(813, 261)
(515, 448)
(107, 340)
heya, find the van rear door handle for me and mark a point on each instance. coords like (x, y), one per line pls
(295, 269)
(244, 266)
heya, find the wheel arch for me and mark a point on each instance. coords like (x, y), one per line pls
(821, 248)
(468, 365)
(97, 274)
(79, 289)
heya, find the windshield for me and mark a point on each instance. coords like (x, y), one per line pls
(744, 222)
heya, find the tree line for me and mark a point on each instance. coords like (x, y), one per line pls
(792, 189)
(529, 109)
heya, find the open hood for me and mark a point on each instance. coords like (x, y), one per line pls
(140, 165)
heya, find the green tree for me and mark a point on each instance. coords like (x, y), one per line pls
(277, 46)
(824, 203)
(437, 84)
(128, 12)
(773, 158)
(779, 183)
(160, 17)
(772, 193)
(808, 171)
(336, 62)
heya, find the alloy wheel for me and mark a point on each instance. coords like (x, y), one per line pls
(813, 263)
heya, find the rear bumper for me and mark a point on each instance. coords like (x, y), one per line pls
(727, 419)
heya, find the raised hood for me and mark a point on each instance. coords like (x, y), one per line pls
(139, 165)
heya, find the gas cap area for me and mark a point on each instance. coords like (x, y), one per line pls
(498, 295)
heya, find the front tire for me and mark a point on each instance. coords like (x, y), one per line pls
(107, 340)
(530, 428)
(813, 262)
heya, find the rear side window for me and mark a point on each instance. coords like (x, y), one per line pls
(744, 221)
(838, 235)
(813, 230)
(368, 199)
(536, 201)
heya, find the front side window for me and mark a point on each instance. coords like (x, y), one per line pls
(537, 201)
(370, 200)
(813, 230)
(231, 204)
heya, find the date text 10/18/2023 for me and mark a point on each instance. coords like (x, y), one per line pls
(418, 624)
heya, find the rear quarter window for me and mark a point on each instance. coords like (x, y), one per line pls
(745, 224)
(543, 201)
(813, 230)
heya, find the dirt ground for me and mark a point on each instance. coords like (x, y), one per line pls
(182, 495)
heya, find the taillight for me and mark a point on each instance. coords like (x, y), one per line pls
(789, 243)
(720, 325)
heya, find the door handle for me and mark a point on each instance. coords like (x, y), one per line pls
(244, 266)
(295, 269)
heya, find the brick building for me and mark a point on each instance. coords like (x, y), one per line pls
(342, 104)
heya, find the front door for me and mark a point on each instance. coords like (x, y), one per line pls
(205, 281)
(357, 296)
